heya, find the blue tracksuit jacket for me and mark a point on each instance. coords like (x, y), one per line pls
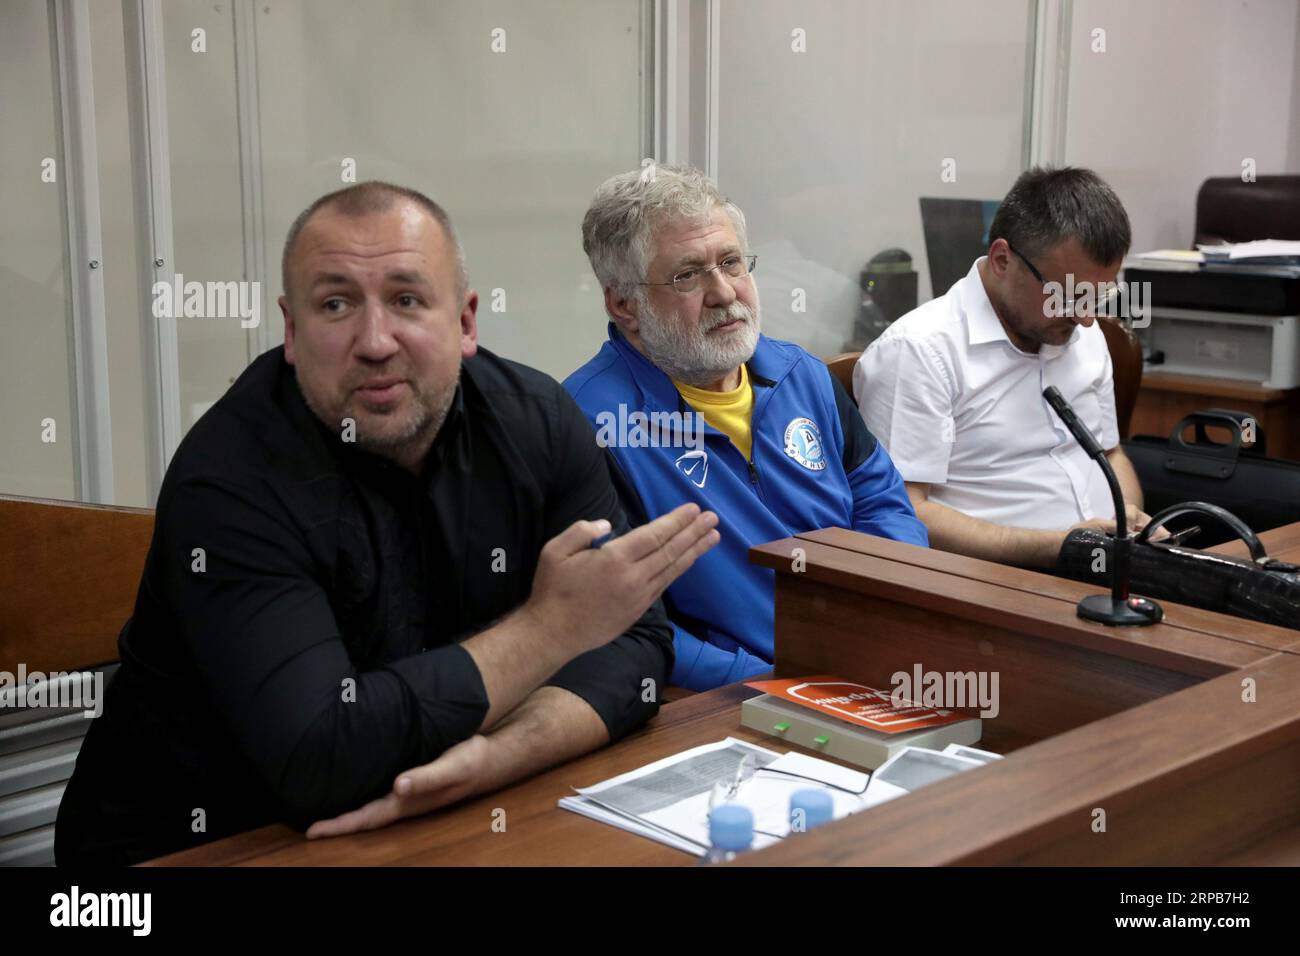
(814, 465)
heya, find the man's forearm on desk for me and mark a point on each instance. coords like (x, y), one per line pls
(550, 726)
(951, 530)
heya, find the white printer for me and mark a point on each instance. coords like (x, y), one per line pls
(1240, 323)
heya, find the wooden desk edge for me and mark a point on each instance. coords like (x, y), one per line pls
(1164, 644)
(1043, 584)
(1157, 381)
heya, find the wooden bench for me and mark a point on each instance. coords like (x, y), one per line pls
(68, 579)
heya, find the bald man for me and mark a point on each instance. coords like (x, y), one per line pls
(369, 589)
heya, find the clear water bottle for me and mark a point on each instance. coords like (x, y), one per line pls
(810, 808)
(731, 831)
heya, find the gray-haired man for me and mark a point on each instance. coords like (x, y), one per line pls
(780, 448)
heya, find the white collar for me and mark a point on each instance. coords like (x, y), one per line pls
(982, 322)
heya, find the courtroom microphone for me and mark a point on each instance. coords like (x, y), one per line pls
(1118, 608)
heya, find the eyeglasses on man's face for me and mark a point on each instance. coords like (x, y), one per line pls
(688, 280)
(1100, 304)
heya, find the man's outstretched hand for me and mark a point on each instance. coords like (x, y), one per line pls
(550, 726)
(462, 771)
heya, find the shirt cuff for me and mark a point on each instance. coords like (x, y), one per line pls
(616, 691)
(450, 696)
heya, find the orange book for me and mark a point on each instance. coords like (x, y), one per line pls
(857, 703)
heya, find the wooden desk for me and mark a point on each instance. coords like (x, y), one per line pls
(1147, 724)
(1282, 543)
(538, 832)
(1164, 399)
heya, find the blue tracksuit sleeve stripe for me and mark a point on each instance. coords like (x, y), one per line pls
(859, 443)
(880, 503)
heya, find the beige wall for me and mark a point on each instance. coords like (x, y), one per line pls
(513, 144)
(1185, 90)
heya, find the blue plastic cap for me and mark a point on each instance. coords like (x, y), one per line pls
(731, 827)
(817, 807)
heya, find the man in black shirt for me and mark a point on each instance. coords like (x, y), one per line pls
(372, 588)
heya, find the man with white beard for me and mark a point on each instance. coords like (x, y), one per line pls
(778, 447)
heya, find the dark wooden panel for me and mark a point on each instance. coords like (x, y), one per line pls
(1165, 645)
(1044, 687)
(1266, 637)
(1225, 389)
(1281, 848)
(68, 579)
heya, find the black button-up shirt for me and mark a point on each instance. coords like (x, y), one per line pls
(295, 641)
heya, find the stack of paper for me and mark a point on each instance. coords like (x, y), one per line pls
(1258, 251)
(1167, 260)
(915, 767)
(669, 800)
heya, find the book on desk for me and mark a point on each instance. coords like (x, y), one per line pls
(850, 721)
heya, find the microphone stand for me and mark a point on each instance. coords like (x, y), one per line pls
(1117, 609)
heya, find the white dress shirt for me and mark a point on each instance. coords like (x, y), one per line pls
(962, 409)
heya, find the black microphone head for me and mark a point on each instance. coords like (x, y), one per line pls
(1054, 397)
(1072, 422)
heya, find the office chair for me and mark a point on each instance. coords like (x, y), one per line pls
(1126, 358)
(1228, 210)
(841, 367)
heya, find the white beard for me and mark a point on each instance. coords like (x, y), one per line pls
(686, 353)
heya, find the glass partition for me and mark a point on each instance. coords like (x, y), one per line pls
(37, 431)
(835, 119)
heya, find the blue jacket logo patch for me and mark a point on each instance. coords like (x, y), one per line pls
(695, 466)
(803, 443)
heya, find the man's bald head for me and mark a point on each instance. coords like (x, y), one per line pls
(365, 199)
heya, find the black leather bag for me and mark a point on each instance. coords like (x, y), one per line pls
(1261, 588)
(1262, 492)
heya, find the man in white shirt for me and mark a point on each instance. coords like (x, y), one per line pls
(954, 388)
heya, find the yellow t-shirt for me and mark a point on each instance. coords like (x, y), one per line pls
(728, 412)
